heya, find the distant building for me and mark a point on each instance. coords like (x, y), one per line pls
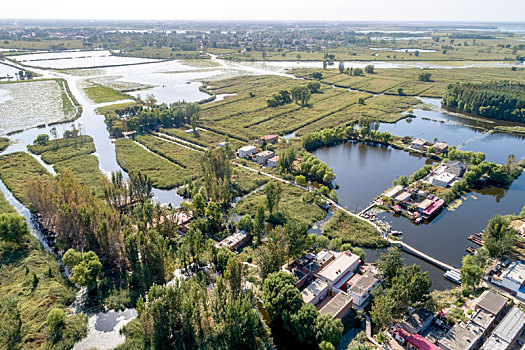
(418, 322)
(234, 241)
(246, 151)
(262, 157)
(403, 197)
(337, 273)
(224, 144)
(271, 138)
(455, 167)
(338, 306)
(511, 326)
(461, 337)
(315, 292)
(393, 192)
(361, 289)
(483, 319)
(272, 162)
(418, 144)
(440, 147)
(444, 179)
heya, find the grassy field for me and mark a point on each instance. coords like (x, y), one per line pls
(131, 156)
(203, 138)
(62, 149)
(352, 230)
(4, 143)
(101, 94)
(86, 168)
(291, 205)
(5, 206)
(17, 170)
(17, 270)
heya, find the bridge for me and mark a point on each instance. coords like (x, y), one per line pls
(409, 249)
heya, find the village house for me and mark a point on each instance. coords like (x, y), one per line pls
(444, 179)
(418, 321)
(262, 157)
(413, 341)
(246, 151)
(338, 306)
(272, 162)
(440, 147)
(315, 292)
(224, 144)
(491, 302)
(271, 138)
(507, 332)
(393, 192)
(514, 278)
(418, 144)
(338, 272)
(234, 241)
(361, 287)
(461, 337)
(455, 167)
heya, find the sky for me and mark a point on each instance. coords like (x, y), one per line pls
(336, 10)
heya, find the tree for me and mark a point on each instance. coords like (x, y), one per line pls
(498, 237)
(85, 267)
(55, 324)
(217, 175)
(369, 69)
(328, 329)
(41, 140)
(213, 215)
(280, 297)
(471, 271)
(425, 77)
(361, 101)
(303, 324)
(357, 71)
(400, 92)
(382, 309)
(259, 223)
(273, 192)
(341, 67)
(389, 265)
(245, 224)
(300, 180)
(305, 96)
(317, 75)
(13, 228)
(314, 86)
(326, 346)
(296, 234)
(10, 322)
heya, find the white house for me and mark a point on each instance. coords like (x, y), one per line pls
(338, 272)
(444, 179)
(455, 167)
(514, 277)
(315, 292)
(246, 151)
(361, 289)
(418, 144)
(262, 157)
(272, 162)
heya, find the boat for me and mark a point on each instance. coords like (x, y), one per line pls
(453, 275)
(396, 233)
(475, 239)
(479, 234)
(471, 250)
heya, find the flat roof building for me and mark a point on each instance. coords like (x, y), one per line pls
(340, 270)
(361, 289)
(418, 321)
(315, 292)
(444, 179)
(495, 343)
(262, 157)
(483, 319)
(491, 302)
(338, 306)
(393, 192)
(246, 151)
(514, 276)
(511, 326)
(461, 337)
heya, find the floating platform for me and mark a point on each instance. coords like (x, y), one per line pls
(454, 276)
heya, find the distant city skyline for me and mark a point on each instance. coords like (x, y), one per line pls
(276, 10)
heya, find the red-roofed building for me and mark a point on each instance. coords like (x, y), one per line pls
(401, 335)
(434, 208)
(418, 342)
(271, 138)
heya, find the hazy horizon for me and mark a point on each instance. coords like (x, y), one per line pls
(271, 10)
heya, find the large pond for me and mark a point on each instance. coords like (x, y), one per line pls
(365, 170)
(466, 133)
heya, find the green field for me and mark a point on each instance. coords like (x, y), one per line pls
(17, 170)
(102, 94)
(131, 156)
(291, 205)
(86, 169)
(352, 230)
